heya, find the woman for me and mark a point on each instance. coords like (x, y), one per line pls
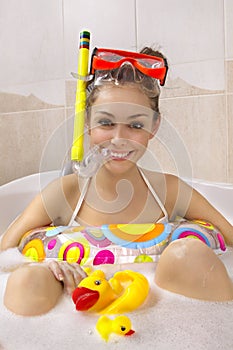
(122, 116)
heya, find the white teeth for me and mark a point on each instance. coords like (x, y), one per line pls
(119, 155)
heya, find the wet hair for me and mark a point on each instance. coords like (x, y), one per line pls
(94, 90)
(154, 100)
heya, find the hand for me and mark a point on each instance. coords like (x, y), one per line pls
(70, 274)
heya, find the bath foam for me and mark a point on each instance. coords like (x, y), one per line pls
(10, 259)
(165, 321)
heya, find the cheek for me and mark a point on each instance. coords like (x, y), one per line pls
(97, 136)
(142, 138)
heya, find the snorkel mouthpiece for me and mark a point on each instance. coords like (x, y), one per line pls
(92, 162)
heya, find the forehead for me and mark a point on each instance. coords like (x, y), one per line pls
(122, 102)
(129, 93)
(121, 111)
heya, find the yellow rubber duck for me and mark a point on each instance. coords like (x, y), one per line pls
(124, 292)
(121, 325)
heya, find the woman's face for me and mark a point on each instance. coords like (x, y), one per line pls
(121, 120)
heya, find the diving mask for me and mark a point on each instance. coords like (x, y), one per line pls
(107, 59)
(120, 67)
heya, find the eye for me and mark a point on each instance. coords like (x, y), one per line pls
(106, 122)
(97, 282)
(136, 125)
(123, 328)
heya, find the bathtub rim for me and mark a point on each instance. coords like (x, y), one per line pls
(28, 186)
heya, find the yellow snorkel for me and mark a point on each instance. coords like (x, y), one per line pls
(88, 165)
(77, 150)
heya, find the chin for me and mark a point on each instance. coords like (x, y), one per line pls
(118, 167)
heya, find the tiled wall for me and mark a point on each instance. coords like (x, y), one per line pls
(39, 43)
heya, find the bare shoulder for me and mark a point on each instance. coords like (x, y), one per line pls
(163, 182)
(60, 198)
(173, 191)
(70, 183)
(175, 184)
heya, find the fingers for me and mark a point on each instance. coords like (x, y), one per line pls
(73, 274)
(69, 281)
(78, 273)
(54, 266)
(70, 274)
(79, 270)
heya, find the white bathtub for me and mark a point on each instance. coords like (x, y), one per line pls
(15, 195)
(172, 321)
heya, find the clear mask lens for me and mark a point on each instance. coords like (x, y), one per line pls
(149, 63)
(110, 57)
(145, 62)
(127, 73)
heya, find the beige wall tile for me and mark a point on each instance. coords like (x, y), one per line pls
(10, 102)
(229, 67)
(228, 4)
(196, 127)
(32, 40)
(178, 87)
(200, 76)
(198, 33)
(70, 92)
(25, 137)
(112, 24)
(230, 137)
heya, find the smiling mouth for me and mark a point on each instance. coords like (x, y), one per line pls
(120, 155)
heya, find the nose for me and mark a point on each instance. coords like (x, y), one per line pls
(125, 71)
(119, 137)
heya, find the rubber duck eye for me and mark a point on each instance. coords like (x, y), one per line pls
(97, 282)
(123, 328)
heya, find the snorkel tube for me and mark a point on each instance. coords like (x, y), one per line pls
(88, 165)
(77, 150)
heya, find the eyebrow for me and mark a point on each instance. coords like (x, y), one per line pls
(138, 115)
(130, 117)
(105, 113)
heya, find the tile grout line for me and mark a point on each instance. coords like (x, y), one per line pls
(136, 24)
(227, 154)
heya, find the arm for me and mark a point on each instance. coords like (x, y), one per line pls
(33, 216)
(200, 208)
(55, 202)
(51, 205)
(191, 205)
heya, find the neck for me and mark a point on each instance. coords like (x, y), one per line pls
(109, 186)
(113, 193)
(109, 180)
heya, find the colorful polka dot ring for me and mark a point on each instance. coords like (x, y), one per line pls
(113, 244)
(201, 230)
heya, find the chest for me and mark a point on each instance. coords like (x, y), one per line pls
(126, 207)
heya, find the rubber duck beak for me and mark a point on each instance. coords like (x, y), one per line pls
(130, 332)
(84, 298)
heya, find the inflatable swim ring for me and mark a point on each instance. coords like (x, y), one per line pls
(113, 244)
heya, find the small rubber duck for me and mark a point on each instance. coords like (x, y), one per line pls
(121, 325)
